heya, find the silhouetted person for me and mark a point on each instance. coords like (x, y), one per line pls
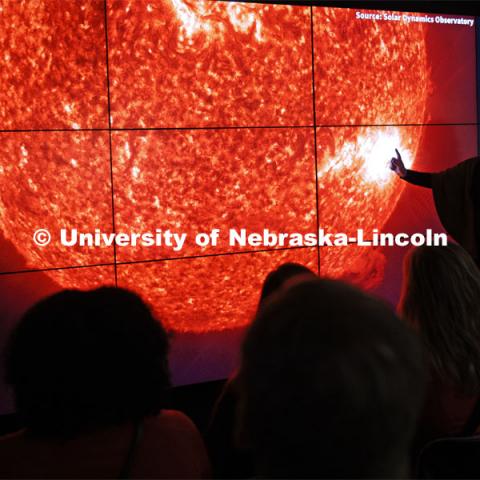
(89, 372)
(456, 192)
(441, 300)
(282, 277)
(227, 460)
(330, 386)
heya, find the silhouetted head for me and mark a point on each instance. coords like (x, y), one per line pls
(331, 384)
(441, 300)
(277, 278)
(82, 360)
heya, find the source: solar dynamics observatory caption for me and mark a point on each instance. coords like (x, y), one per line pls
(395, 17)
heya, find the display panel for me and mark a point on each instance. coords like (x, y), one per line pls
(52, 66)
(53, 181)
(203, 115)
(207, 302)
(372, 199)
(193, 181)
(219, 292)
(391, 68)
(226, 62)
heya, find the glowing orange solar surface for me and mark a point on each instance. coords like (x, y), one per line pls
(52, 64)
(210, 293)
(55, 180)
(194, 181)
(180, 63)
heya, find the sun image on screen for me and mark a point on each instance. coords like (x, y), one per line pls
(183, 116)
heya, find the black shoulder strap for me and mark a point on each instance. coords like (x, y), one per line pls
(473, 421)
(126, 470)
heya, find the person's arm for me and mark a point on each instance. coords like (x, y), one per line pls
(421, 179)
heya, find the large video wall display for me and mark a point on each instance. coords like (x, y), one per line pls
(183, 149)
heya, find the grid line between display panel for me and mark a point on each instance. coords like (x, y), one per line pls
(54, 269)
(157, 260)
(110, 139)
(240, 127)
(315, 153)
